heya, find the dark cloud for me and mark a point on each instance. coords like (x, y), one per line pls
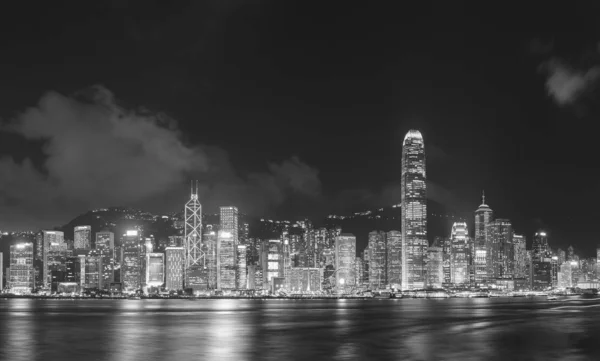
(99, 154)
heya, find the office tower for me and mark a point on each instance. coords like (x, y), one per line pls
(155, 269)
(174, 268)
(501, 249)
(21, 277)
(131, 268)
(229, 222)
(83, 237)
(446, 245)
(520, 256)
(460, 254)
(541, 261)
(209, 240)
(345, 254)
(287, 260)
(305, 280)
(394, 259)
(55, 259)
(92, 270)
(225, 261)
(565, 277)
(414, 211)
(1, 272)
(435, 263)
(554, 270)
(195, 260)
(105, 245)
(73, 268)
(271, 261)
(364, 277)
(377, 260)
(482, 261)
(241, 267)
(570, 252)
(597, 262)
(540, 245)
(46, 239)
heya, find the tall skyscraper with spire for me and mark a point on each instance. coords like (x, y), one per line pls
(194, 255)
(414, 211)
(482, 252)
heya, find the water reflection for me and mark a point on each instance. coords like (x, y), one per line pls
(119, 330)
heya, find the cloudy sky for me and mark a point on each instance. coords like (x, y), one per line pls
(298, 108)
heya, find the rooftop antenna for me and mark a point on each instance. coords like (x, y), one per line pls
(483, 197)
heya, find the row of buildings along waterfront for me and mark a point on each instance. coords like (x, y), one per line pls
(299, 258)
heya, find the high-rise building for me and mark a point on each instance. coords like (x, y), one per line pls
(210, 245)
(435, 270)
(105, 245)
(226, 261)
(21, 277)
(131, 268)
(271, 261)
(501, 250)
(155, 269)
(394, 259)
(520, 256)
(45, 240)
(414, 211)
(241, 279)
(174, 268)
(482, 259)
(541, 262)
(345, 254)
(55, 258)
(83, 237)
(459, 254)
(446, 244)
(305, 280)
(377, 260)
(92, 269)
(229, 222)
(195, 257)
(1, 272)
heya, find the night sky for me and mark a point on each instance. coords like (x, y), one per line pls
(292, 108)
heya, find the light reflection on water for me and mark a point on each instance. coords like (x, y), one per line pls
(455, 329)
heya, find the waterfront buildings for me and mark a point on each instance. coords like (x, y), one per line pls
(105, 245)
(241, 280)
(305, 280)
(500, 249)
(155, 269)
(175, 264)
(194, 257)
(345, 254)
(377, 260)
(435, 266)
(541, 259)
(21, 277)
(226, 261)
(460, 254)
(482, 243)
(131, 269)
(414, 211)
(394, 259)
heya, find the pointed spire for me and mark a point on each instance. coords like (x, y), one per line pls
(483, 197)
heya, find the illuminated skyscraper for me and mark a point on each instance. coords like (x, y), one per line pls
(1, 272)
(241, 279)
(394, 259)
(541, 262)
(520, 256)
(271, 261)
(21, 277)
(155, 269)
(131, 269)
(195, 260)
(501, 250)
(414, 211)
(481, 259)
(459, 254)
(345, 255)
(83, 237)
(226, 261)
(210, 244)
(91, 270)
(174, 268)
(435, 269)
(105, 245)
(229, 222)
(377, 260)
(56, 239)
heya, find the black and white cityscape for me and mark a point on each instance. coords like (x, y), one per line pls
(296, 180)
(197, 254)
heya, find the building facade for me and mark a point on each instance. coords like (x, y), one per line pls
(414, 211)
(345, 254)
